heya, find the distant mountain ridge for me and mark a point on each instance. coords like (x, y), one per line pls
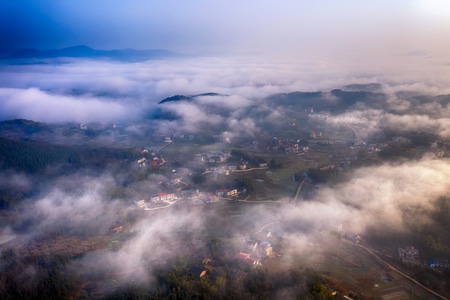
(82, 51)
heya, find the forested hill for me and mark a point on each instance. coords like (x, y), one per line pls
(335, 101)
(33, 157)
(177, 98)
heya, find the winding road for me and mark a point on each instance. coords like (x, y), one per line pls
(380, 260)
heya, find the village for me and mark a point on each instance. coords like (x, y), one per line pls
(282, 169)
(317, 154)
(229, 180)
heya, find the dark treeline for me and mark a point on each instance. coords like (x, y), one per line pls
(32, 157)
(42, 277)
(42, 161)
(177, 280)
(51, 276)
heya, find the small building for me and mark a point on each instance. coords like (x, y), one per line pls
(352, 237)
(251, 245)
(232, 193)
(245, 257)
(222, 192)
(171, 197)
(198, 272)
(408, 253)
(209, 264)
(116, 227)
(142, 162)
(156, 199)
(412, 252)
(265, 248)
(205, 198)
(439, 263)
(327, 167)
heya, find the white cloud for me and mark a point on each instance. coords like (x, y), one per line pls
(37, 105)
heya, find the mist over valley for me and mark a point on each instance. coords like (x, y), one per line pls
(117, 179)
(224, 150)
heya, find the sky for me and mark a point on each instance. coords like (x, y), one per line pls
(324, 27)
(248, 50)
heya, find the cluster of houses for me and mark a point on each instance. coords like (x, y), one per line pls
(254, 251)
(163, 197)
(149, 158)
(214, 158)
(227, 169)
(203, 197)
(181, 136)
(217, 162)
(412, 254)
(208, 198)
(288, 146)
(156, 200)
(154, 162)
(196, 196)
(231, 193)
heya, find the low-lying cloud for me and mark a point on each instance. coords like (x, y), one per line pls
(37, 105)
(86, 90)
(373, 197)
(365, 123)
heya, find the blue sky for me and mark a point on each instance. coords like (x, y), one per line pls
(229, 26)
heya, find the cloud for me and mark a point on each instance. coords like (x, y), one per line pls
(371, 197)
(11, 180)
(37, 105)
(102, 91)
(193, 117)
(125, 89)
(227, 102)
(386, 190)
(366, 122)
(77, 206)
